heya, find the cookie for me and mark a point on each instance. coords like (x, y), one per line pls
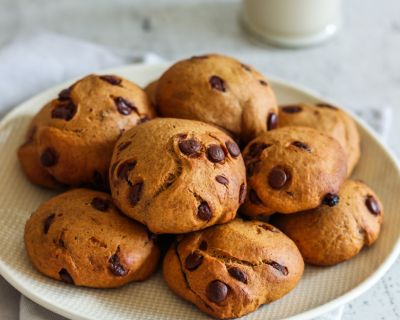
(326, 118)
(177, 176)
(33, 169)
(292, 169)
(150, 89)
(232, 269)
(70, 141)
(221, 91)
(81, 238)
(330, 235)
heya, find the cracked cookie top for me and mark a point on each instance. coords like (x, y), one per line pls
(230, 270)
(326, 118)
(81, 238)
(177, 176)
(72, 137)
(332, 234)
(292, 169)
(218, 90)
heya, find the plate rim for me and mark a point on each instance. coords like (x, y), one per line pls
(345, 298)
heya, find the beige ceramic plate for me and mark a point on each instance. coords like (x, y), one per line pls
(320, 290)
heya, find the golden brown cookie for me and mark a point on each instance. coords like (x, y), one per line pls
(81, 238)
(292, 169)
(177, 176)
(71, 138)
(329, 235)
(232, 269)
(150, 89)
(33, 169)
(326, 118)
(218, 90)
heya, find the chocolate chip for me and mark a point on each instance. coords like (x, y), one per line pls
(233, 148)
(64, 111)
(372, 205)
(238, 274)
(98, 181)
(189, 147)
(256, 148)
(100, 204)
(115, 266)
(49, 157)
(64, 94)
(251, 167)
(254, 198)
(331, 199)
(48, 222)
(124, 106)
(272, 121)
(111, 79)
(203, 245)
(222, 180)
(125, 168)
(135, 193)
(277, 178)
(143, 118)
(215, 153)
(263, 82)
(326, 105)
(124, 145)
(246, 67)
(279, 267)
(193, 261)
(242, 193)
(217, 83)
(217, 291)
(291, 109)
(65, 276)
(204, 211)
(301, 145)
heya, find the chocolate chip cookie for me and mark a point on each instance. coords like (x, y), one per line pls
(328, 235)
(292, 169)
(81, 238)
(326, 118)
(218, 90)
(232, 269)
(70, 141)
(150, 89)
(177, 176)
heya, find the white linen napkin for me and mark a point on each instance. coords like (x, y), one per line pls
(33, 63)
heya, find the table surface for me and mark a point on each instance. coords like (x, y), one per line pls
(360, 67)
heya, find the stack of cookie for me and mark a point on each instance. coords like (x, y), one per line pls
(219, 146)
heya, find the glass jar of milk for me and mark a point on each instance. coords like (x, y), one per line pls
(292, 23)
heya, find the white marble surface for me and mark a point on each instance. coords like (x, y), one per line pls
(360, 67)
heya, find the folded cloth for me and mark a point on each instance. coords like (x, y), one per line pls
(30, 64)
